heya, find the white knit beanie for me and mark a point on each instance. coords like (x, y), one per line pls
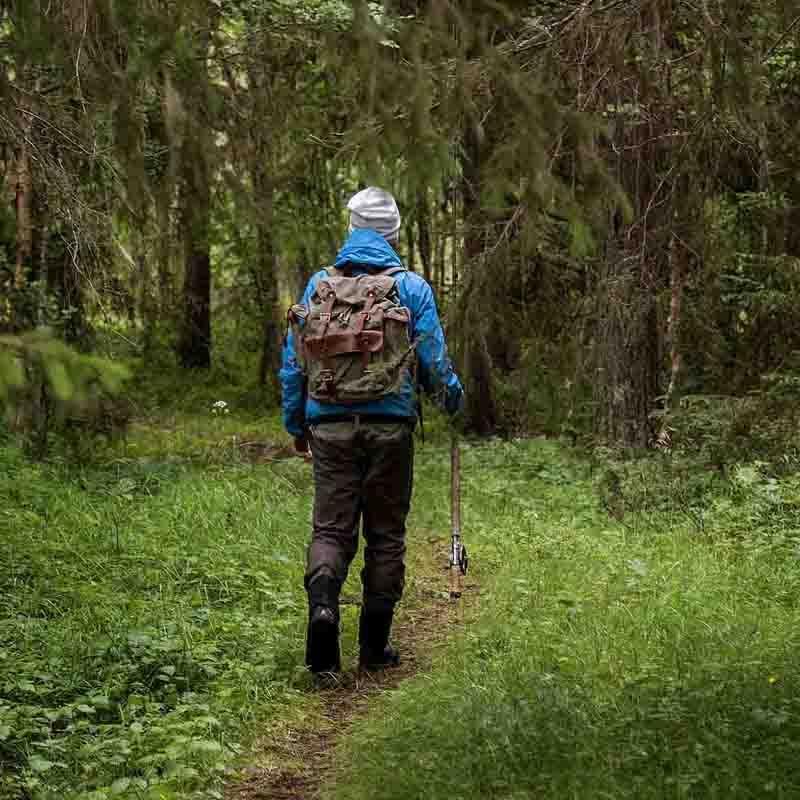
(375, 209)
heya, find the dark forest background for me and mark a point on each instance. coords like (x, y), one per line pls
(604, 195)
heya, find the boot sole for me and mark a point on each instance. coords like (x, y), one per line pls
(324, 646)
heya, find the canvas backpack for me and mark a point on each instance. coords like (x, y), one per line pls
(353, 338)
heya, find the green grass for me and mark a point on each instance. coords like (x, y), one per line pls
(647, 660)
(152, 617)
(152, 613)
(152, 622)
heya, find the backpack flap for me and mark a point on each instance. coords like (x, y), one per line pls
(355, 338)
(354, 290)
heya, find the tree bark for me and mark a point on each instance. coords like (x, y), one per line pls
(23, 206)
(627, 376)
(635, 269)
(194, 347)
(481, 409)
(677, 283)
(267, 280)
(443, 228)
(194, 344)
(424, 233)
(411, 247)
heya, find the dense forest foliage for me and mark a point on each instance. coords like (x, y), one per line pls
(605, 198)
(604, 195)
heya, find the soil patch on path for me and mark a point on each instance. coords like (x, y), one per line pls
(297, 762)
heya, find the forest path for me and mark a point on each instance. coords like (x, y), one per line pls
(297, 761)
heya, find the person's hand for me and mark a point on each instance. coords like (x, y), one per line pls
(301, 447)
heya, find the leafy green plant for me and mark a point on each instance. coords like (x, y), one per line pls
(45, 384)
(633, 658)
(152, 613)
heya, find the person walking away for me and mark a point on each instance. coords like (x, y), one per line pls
(365, 335)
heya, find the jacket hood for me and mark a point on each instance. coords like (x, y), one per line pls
(368, 247)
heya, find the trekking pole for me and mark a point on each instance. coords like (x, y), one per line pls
(459, 561)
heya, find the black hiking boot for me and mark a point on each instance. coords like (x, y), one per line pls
(322, 645)
(322, 639)
(375, 652)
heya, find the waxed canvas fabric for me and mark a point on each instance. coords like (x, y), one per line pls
(353, 335)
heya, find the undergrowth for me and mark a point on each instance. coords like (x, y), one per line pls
(152, 613)
(645, 649)
(635, 633)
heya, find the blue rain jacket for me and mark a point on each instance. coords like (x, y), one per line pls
(365, 250)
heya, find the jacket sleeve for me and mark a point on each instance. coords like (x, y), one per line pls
(293, 381)
(436, 372)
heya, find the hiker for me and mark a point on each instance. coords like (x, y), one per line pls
(365, 336)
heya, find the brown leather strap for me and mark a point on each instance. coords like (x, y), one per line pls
(343, 343)
(364, 315)
(327, 311)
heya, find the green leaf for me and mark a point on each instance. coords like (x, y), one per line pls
(100, 701)
(59, 380)
(120, 785)
(39, 764)
(206, 746)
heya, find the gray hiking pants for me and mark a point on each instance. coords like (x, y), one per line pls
(363, 471)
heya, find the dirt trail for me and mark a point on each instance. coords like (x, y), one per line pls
(299, 760)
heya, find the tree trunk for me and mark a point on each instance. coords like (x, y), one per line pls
(627, 379)
(424, 230)
(443, 227)
(194, 346)
(267, 280)
(677, 283)
(23, 206)
(411, 247)
(627, 375)
(481, 411)
(628, 335)
(147, 312)
(194, 343)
